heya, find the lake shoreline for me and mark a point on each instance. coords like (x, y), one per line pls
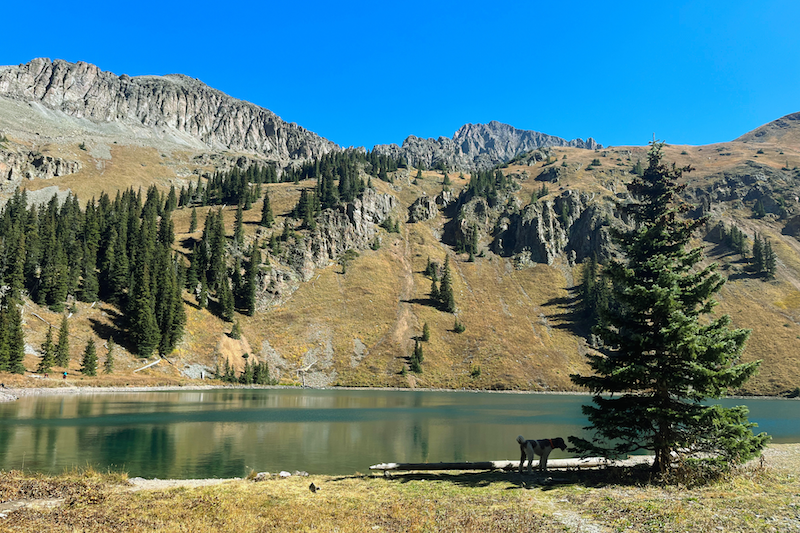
(10, 394)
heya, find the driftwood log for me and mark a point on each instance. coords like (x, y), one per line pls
(556, 464)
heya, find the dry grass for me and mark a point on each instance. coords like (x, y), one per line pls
(519, 331)
(762, 497)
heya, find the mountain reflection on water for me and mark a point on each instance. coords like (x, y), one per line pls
(227, 433)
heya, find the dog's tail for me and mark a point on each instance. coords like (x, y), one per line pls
(521, 439)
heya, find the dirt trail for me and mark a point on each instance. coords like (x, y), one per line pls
(405, 317)
(400, 332)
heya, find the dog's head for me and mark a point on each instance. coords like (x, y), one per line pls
(558, 442)
(521, 439)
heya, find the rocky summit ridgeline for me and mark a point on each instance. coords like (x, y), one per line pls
(175, 107)
(477, 146)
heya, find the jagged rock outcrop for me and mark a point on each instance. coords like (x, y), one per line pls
(574, 225)
(476, 146)
(348, 227)
(175, 107)
(16, 166)
(423, 208)
(543, 231)
(748, 182)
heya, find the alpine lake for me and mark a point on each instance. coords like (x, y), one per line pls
(226, 433)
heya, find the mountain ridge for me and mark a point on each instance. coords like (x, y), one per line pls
(477, 146)
(174, 102)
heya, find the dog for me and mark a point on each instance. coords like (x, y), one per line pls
(542, 448)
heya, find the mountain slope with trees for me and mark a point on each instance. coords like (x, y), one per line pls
(319, 270)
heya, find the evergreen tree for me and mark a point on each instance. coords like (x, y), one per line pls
(238, 226)
(12, 338)
(446, 296)
(202, 297)
(144, 330)
(267, 220)
(770, 260)
(416, 358)
(250, 282)
(261, 374)
(226, 301)
(435, 293)
(89, 367)
(108, 366)
(48, 353)
(659, 362)
(758, 253)
(193, 221)
(62, 348)
(426, 332)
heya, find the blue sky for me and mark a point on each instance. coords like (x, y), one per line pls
(364, 73)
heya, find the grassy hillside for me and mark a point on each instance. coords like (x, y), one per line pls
(358, 328)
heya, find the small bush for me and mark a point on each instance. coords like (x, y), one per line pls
(458, 327)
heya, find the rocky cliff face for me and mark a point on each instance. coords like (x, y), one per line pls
(477, 146)
(19, 165)
(175, 107)
(348, 227)
(574, 226)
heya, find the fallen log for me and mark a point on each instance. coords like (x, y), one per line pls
(556, 464)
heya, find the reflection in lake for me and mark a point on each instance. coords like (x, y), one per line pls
(226, 433)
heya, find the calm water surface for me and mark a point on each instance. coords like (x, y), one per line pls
(226, 433)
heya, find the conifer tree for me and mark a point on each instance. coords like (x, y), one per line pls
(267, 220)
(226, 301)
(89, 367)
(435, 293)
(12, 338)
(426, 332)
(659, 362)
(446, 288)
(108, 366)
(144, 330)
(193, 221)
(251, 279)
(758, 253)
(770, 260)
(62, 347)
(416, 358)
(238, 226)
(48, 353)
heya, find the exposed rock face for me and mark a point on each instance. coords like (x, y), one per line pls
(176, 107)
(352, 226)
(747, 183)
(477, 146)
(423, 208)
(16, 166)
(542, 231)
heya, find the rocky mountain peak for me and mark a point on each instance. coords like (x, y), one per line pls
(477, 146)
(175, 107)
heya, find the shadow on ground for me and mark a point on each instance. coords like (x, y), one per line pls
(622, 476)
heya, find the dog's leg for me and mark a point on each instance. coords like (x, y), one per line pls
(531, 454)
(521, 460)
(543, 461)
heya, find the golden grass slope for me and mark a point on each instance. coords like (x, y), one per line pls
(359, 328)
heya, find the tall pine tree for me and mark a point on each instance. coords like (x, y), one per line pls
(89, 367)
(660, 362)
(62, 348)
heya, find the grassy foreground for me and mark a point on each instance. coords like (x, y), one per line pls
(763, 496)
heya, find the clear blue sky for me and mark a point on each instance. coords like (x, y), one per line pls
(365, 73)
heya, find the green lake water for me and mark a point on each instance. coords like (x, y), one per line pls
(227, 433)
